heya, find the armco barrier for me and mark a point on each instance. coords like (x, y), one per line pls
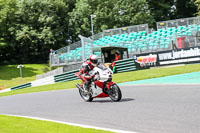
(125, 65)
(121, 66)
(43, 81)
(67, 76)
(21, 86)
(5, 90)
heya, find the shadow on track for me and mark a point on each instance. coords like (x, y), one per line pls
(109, 100)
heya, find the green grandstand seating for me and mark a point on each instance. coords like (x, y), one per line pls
(61, 57)
(133, 41)
(98, 54)
(153, 45)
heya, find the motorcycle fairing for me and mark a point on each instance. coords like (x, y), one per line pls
(96, 88)
(109, 84)
(102, 95)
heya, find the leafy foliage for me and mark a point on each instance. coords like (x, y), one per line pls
(109, 14)
(36, 27)
(132, 12)
(161, 9)
(197, 2)
(185, 8)
(7, 17)
(29, 28)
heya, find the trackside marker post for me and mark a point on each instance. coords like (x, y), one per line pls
(20, 69)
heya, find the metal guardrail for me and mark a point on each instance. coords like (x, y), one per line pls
(127, 29)
(125, 65)
(67, 76)
(21, 86)
(178, 22)
(134, 47)
(43, 81)
(70, 47)
(121, 66)
(121, 30)
(88, 42)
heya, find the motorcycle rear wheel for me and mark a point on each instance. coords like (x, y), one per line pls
(86, 97)
(115, 93)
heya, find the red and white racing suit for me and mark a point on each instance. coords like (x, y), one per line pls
(86, 67)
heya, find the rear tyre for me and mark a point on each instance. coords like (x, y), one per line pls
(115, 93)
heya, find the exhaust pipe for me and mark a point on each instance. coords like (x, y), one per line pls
(79, 87)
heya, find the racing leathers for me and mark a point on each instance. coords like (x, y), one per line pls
(85, 69)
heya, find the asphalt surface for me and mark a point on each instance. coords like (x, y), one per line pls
(143, 108)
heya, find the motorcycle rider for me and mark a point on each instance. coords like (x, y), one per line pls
(86, 67)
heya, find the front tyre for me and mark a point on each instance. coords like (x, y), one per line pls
(115, 93)
(86, 96)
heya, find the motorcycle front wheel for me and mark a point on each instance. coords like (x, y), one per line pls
(115, 93)
(87, 97)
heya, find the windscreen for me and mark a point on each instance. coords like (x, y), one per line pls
(102, 67)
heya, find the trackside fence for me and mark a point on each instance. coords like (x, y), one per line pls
(43, 81)
(67, 76)
(21, 86)
(121, 66)
(125, 65)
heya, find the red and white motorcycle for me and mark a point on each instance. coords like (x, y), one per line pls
(101, 85)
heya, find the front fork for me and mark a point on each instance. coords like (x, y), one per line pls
(109, 84)
(106, 87)
(79, 87)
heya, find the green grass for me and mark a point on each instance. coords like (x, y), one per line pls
(154, 73)
(118, 78)
(10, 75)
(11, 124)
(24, 125)
(57, 86)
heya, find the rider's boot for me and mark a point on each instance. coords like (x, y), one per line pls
(87, 86)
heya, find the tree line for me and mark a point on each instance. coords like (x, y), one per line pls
(29, 28)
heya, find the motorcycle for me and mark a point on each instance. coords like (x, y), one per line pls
(101, 85)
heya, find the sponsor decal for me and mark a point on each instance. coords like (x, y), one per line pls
(179, 54)
(179, 61)
(147, 60)
(162, 23)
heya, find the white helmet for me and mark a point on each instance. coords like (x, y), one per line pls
(93, 60)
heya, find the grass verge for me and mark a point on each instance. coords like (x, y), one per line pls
(118, 78)
(11, 124)
(155, 73)
(57, 86)
(10, 74)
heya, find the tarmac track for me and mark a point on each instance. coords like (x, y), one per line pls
(143, 108)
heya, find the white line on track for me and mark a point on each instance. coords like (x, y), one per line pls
(73, 124)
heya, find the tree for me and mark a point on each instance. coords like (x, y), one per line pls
(161, 10)
(185, 8)
(129, 12)
(79, 22)
(197, 2)
(107, 15)
(7, 17)
(40, 25)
